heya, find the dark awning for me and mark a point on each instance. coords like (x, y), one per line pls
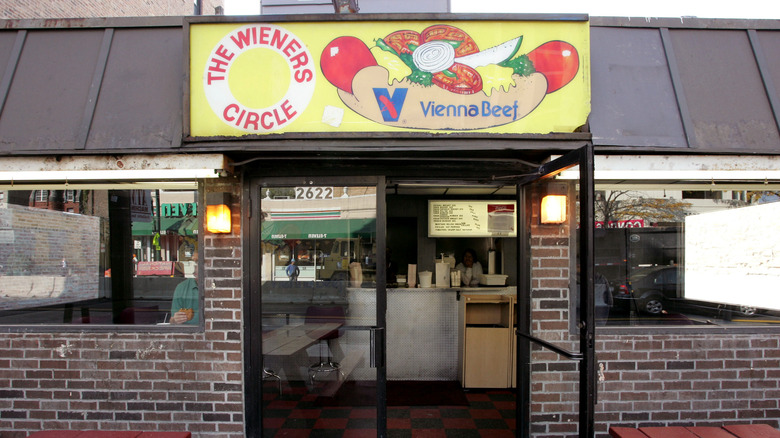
(180, 226)
(692, 84)
(319, 229)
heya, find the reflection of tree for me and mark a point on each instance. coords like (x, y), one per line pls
(756, 197)
(279, 193)
(621, 205)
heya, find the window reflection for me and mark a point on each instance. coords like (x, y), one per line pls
(83, 256)
(688, 257)
(329, 236)
(318, 274)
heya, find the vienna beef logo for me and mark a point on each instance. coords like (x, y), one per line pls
(390, 105)
(239, 43)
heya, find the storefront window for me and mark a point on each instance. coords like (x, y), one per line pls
(684, 254)
(99, 256)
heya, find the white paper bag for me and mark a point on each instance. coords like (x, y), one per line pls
(355, 274)
(411, 275)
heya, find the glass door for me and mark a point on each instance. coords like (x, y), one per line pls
(556, 259)
(319, 324)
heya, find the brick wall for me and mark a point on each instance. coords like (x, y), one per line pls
(136, 381)
(554, 380)
(97, 8)
(662, 380)
(646, 379)
(705, 380)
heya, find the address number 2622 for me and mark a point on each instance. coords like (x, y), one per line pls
(314, 193)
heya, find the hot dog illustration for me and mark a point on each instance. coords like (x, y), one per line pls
(440, 79)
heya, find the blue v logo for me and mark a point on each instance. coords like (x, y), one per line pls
(390, 106)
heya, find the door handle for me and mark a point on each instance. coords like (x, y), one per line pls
(377, 347)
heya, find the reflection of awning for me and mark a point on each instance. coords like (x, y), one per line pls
(319, 229)
(181, 226)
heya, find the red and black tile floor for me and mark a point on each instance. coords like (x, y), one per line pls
(297, 413)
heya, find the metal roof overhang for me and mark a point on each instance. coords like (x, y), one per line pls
(684, 172)
(129, 168)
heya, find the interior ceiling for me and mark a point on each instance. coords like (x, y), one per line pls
(457, 174)
(407, 188)
(464, 189)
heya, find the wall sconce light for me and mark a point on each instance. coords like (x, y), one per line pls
(218, 213)
(553, 209)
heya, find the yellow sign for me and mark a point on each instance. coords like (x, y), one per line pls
(506, 77)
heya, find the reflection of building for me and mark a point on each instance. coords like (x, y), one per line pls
(168, 230)
(324, 232)
(61, 200)
(97, 8)
(271, 7)
(68, 201)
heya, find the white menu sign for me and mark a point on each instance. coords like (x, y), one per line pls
(472, 219)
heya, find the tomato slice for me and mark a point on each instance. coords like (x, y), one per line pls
(446, 32)
(461, 79)
(400, 41)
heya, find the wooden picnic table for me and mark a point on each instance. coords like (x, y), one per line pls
(289, 339)
(733, 431)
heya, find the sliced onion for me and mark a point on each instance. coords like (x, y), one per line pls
(434, 56)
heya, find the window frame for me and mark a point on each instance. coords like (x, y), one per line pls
(130, 328)
(653, 329)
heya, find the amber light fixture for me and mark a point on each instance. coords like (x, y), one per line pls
(553, 209)
(218, 213)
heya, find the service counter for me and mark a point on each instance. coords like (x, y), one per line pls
(423, 326)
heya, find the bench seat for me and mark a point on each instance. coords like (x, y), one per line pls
(753, 431)
(106, 434)
(733, 431)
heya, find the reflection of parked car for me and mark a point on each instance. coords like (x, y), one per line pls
(655, 290)
(602, 295)
(649, 290)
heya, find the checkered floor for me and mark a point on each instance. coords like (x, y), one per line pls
(490, 414)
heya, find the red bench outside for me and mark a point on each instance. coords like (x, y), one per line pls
(668, 432)
(106, 434)
(711, 432)
(55, 434)
(734, 431)
(753, 431)
(626, 432)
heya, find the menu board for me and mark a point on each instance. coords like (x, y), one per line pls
(472, 219)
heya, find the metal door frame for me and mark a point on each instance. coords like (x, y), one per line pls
(252, 302)
(586, 356)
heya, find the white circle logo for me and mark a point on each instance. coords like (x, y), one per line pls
(281, 113)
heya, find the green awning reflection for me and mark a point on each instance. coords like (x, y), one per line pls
(319, 229)
(180, 226)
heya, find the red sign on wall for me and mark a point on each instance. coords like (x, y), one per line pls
(155, 268)
(634, 223)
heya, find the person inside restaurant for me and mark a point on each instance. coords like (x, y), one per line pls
(186, 299)
(470, 269)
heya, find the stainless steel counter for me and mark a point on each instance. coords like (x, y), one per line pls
(422, 328)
